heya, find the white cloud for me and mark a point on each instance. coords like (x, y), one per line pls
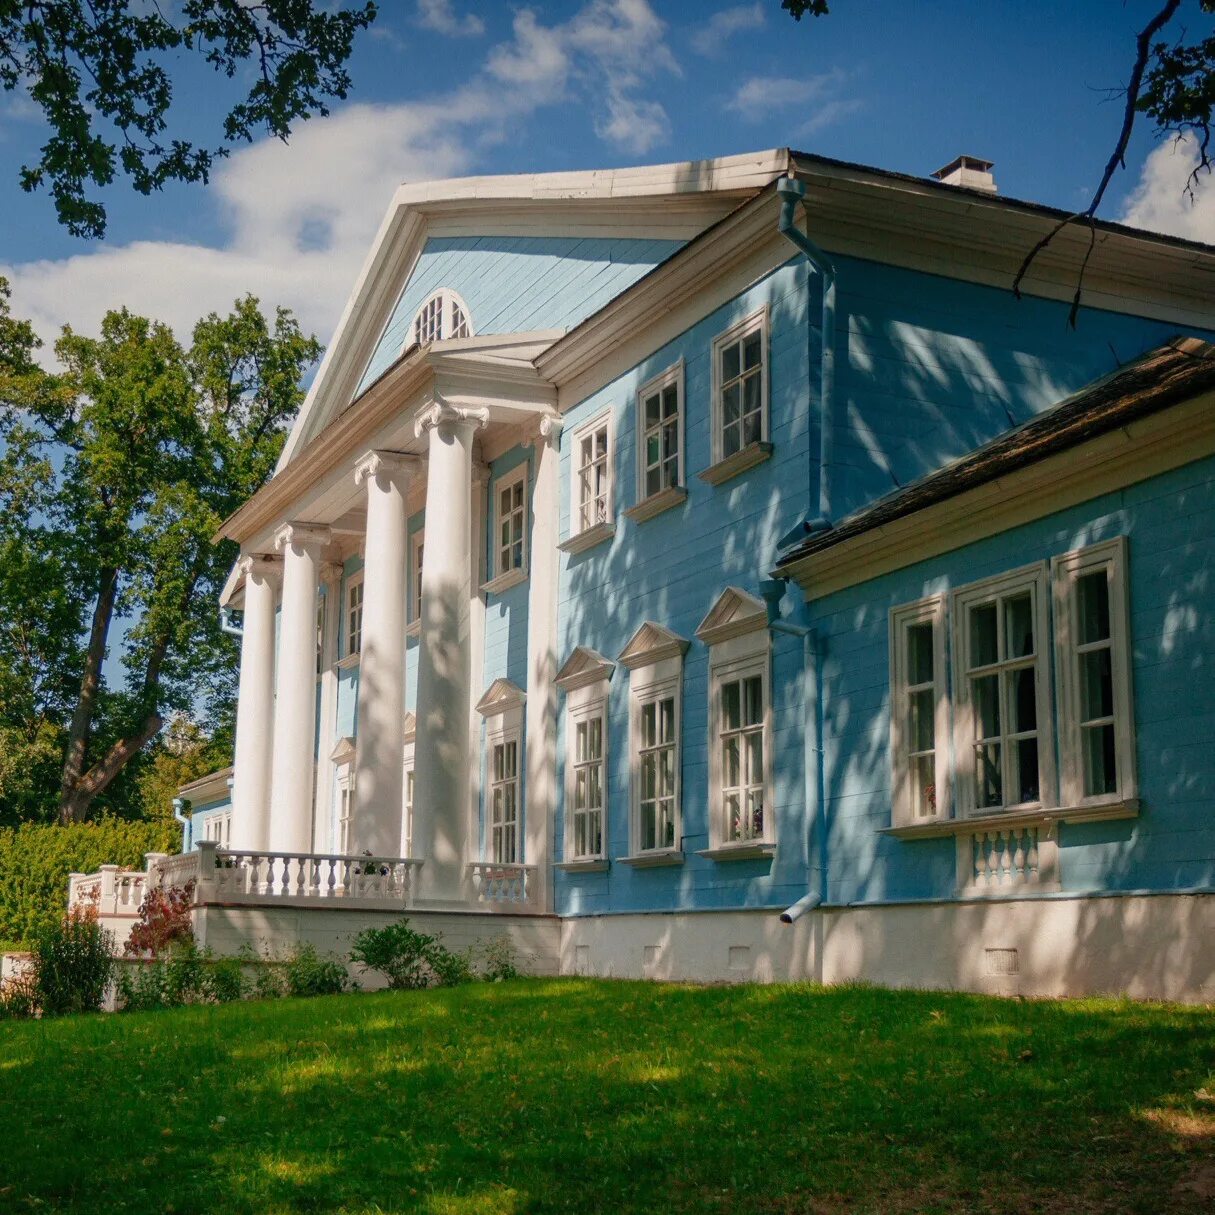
(759, 97)
(440, 16)
(714, 38)
(300, 217)
(1159, 201)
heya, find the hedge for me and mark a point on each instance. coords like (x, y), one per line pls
(36, 858)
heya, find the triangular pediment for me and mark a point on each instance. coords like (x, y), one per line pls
(735, 613)
(650, 644)
(501, 696)
(584, 666)
(343, 751)
(411, 726)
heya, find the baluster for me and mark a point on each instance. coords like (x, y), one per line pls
(1019, 854)
(1031, 858)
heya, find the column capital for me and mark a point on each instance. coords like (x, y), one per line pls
(302, 535)
(331, 572)
(480, 473)
(441, 415)
(548, 430)
(260, 565)
(376, 464)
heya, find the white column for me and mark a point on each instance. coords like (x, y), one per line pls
(331, 581)
(540, 720)
(376, 822)
(477, 542)
(295, 711)
(441, 767)
(255, 706)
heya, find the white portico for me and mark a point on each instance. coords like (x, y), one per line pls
(420, 438)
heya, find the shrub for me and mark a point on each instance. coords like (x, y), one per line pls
(164, 919)
(36, 858)
(224, 981)
(409, 959)
(308, 974)
(141, 986)
(18, 998)
(498, 961)
(73, 962)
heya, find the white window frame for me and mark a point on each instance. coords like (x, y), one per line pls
(507, 732)
(730, 661)
(417, 546)
(344, 788)
(672, 375)
(353, 583)
(931, 611)
(604, 422)
(1031, 578)
(508, 482)
(650, 685)
(407, 792)
(584, 706)
(218, 827)
(756, 322)
(1066, 570)
(442, 316)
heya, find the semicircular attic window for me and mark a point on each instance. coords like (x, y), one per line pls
(444, 315)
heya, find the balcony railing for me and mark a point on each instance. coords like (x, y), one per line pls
(113, 891)
(502, 884)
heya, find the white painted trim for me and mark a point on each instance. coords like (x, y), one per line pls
(586, 703)
(1133, 453)
(354, 581)
(584, 667)
(735, 613)
(1110, 556)
(930, 610)
(650, 644)
(655, 681)
(671, 375)
(756, 322)
(501, 729)
(657, 504)
(450, 303)
(1031, 579)
(606, 419)
(508, 481)
(500, 697)
(736, 658)
(417, 544)
(581, 541)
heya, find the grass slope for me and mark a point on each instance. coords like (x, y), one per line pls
(597, 1096)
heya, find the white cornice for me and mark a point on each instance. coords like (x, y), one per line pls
(1134, 452)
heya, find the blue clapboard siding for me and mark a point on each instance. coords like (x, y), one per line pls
(516, 284)
(1170, 524)
(927, 369)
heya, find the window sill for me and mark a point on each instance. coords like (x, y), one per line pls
(503, 582)
(588, 538)
(655, 504)
(652, 860)
(413, 628)
(744, 850)
(1099, 812)
(347, 663)
(739, 462)
(589, 865)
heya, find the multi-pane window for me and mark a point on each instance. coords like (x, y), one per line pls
(354, 617)
(440, 317)
(1000, 680)
(919, 710)
(741, 386)
(592, 476)
(218, 827)
(660, 428)
(1091, 650)
(504, 802)
(587, 789)
(511, 497)
(345, 808)
(741, 740)
(419, 551)
(658, 760)
(320, 633)
(407, 810)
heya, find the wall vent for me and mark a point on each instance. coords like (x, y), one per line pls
(1002, 961)
(651, 955)
(582, 959)
(739, 957)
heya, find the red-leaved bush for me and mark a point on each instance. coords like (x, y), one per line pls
(164, 917)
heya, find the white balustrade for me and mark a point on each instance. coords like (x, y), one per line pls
(257, 876)
(1006, 858)
(495, 883)
(111, 891)
(175, 871)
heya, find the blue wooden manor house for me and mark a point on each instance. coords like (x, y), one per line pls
(715, 571)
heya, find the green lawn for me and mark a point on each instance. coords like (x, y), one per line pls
(596, 1096)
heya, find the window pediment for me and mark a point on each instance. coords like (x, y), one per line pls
(650, 644)
(583, 667)
(411, 726)
(501, 696)
(343, 751)
(736, 613)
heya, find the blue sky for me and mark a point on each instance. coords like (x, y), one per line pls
(445, 87)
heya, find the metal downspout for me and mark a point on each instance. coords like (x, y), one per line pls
(187, 823)
(792, 192)
(772, 590)
(226, 625)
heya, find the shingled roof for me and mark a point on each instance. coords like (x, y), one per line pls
(1179, 370)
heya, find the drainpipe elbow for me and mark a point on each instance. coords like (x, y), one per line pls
(808, 902)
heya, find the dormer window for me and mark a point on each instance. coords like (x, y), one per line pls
(444, 315)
